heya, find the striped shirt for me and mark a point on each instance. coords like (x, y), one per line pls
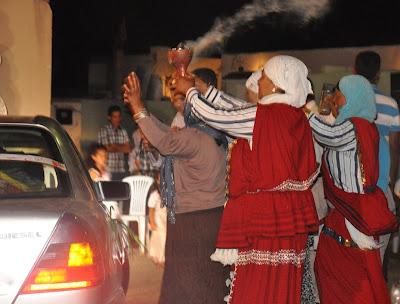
(149, 161)
(228, 114)
(341, 155)
(388, 119)
(107, 136)
(387, 122)
(223, 112)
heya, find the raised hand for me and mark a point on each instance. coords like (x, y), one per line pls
(132, 93)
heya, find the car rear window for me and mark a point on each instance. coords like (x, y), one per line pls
(30, 164)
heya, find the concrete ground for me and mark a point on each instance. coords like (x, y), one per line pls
(145, 281)
(146, 278)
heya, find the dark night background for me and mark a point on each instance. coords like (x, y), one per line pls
(86, 28)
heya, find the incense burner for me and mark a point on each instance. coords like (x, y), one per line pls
(180, 58)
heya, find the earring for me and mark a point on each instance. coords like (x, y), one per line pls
(274, 90)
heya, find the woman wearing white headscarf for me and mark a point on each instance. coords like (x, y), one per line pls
(270, 209)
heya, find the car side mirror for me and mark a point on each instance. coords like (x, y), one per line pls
(114, 190)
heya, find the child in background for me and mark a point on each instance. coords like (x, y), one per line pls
(158, 226)
(97, 163)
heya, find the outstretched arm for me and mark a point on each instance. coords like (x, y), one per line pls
(222, 100)
(237, 122)
(336, 137)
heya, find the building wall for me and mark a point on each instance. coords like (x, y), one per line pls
(329, 63)
(315, 59)
(147, 66)
(25, 48)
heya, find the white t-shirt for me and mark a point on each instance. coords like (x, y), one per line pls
(154, 200)
(178, 121)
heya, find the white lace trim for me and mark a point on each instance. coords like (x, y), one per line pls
(225, 256)
(291, 185)
(283, 256)
(228, 298)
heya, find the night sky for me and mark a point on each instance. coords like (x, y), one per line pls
(86, 28)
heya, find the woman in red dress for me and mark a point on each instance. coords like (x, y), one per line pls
(270, 210)
(348, 265)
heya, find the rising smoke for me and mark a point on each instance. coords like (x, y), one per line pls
(222, 29)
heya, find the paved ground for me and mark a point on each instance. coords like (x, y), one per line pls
(145, 281)
(146, 277)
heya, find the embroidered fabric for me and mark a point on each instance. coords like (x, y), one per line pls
(291, 185)
(229, 283)
(307, 286)
(284, 256)
(228, 298)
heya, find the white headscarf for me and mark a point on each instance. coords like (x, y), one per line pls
(289, 74)
(252, 81)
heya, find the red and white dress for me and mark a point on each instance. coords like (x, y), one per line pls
(270, 210)
(350, 274)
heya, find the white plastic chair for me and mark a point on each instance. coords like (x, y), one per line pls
(140, 186)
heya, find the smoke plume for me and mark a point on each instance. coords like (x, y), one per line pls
(222, 29)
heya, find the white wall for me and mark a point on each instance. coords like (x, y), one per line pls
(315, 59)
(325, 65)
(25, 47)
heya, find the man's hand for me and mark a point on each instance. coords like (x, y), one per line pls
(132, 93)
(180, 85)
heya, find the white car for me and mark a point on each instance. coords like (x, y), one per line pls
(57, 243)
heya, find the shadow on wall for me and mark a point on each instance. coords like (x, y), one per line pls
(7, 69)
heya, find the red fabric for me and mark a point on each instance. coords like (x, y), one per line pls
(348, 275)
(282, 145)
(352, 275)
(270, 220)
(275, 284)
(368, 212)
(240, 173)
(282, 150)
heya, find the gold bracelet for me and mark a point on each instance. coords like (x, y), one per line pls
(142, 114)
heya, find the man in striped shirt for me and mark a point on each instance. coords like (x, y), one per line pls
(368, 64)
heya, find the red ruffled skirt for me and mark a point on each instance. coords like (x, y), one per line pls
(270, 229)
(267, 215)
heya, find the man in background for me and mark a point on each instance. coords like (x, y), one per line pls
(368, 64)
(148, 160)
(116, 140)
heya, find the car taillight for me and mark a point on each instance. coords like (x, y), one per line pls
(70, 261)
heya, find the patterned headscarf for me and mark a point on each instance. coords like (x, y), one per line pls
(289, 74)
(360, 99)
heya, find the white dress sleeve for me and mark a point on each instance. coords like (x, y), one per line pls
(154, 199)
